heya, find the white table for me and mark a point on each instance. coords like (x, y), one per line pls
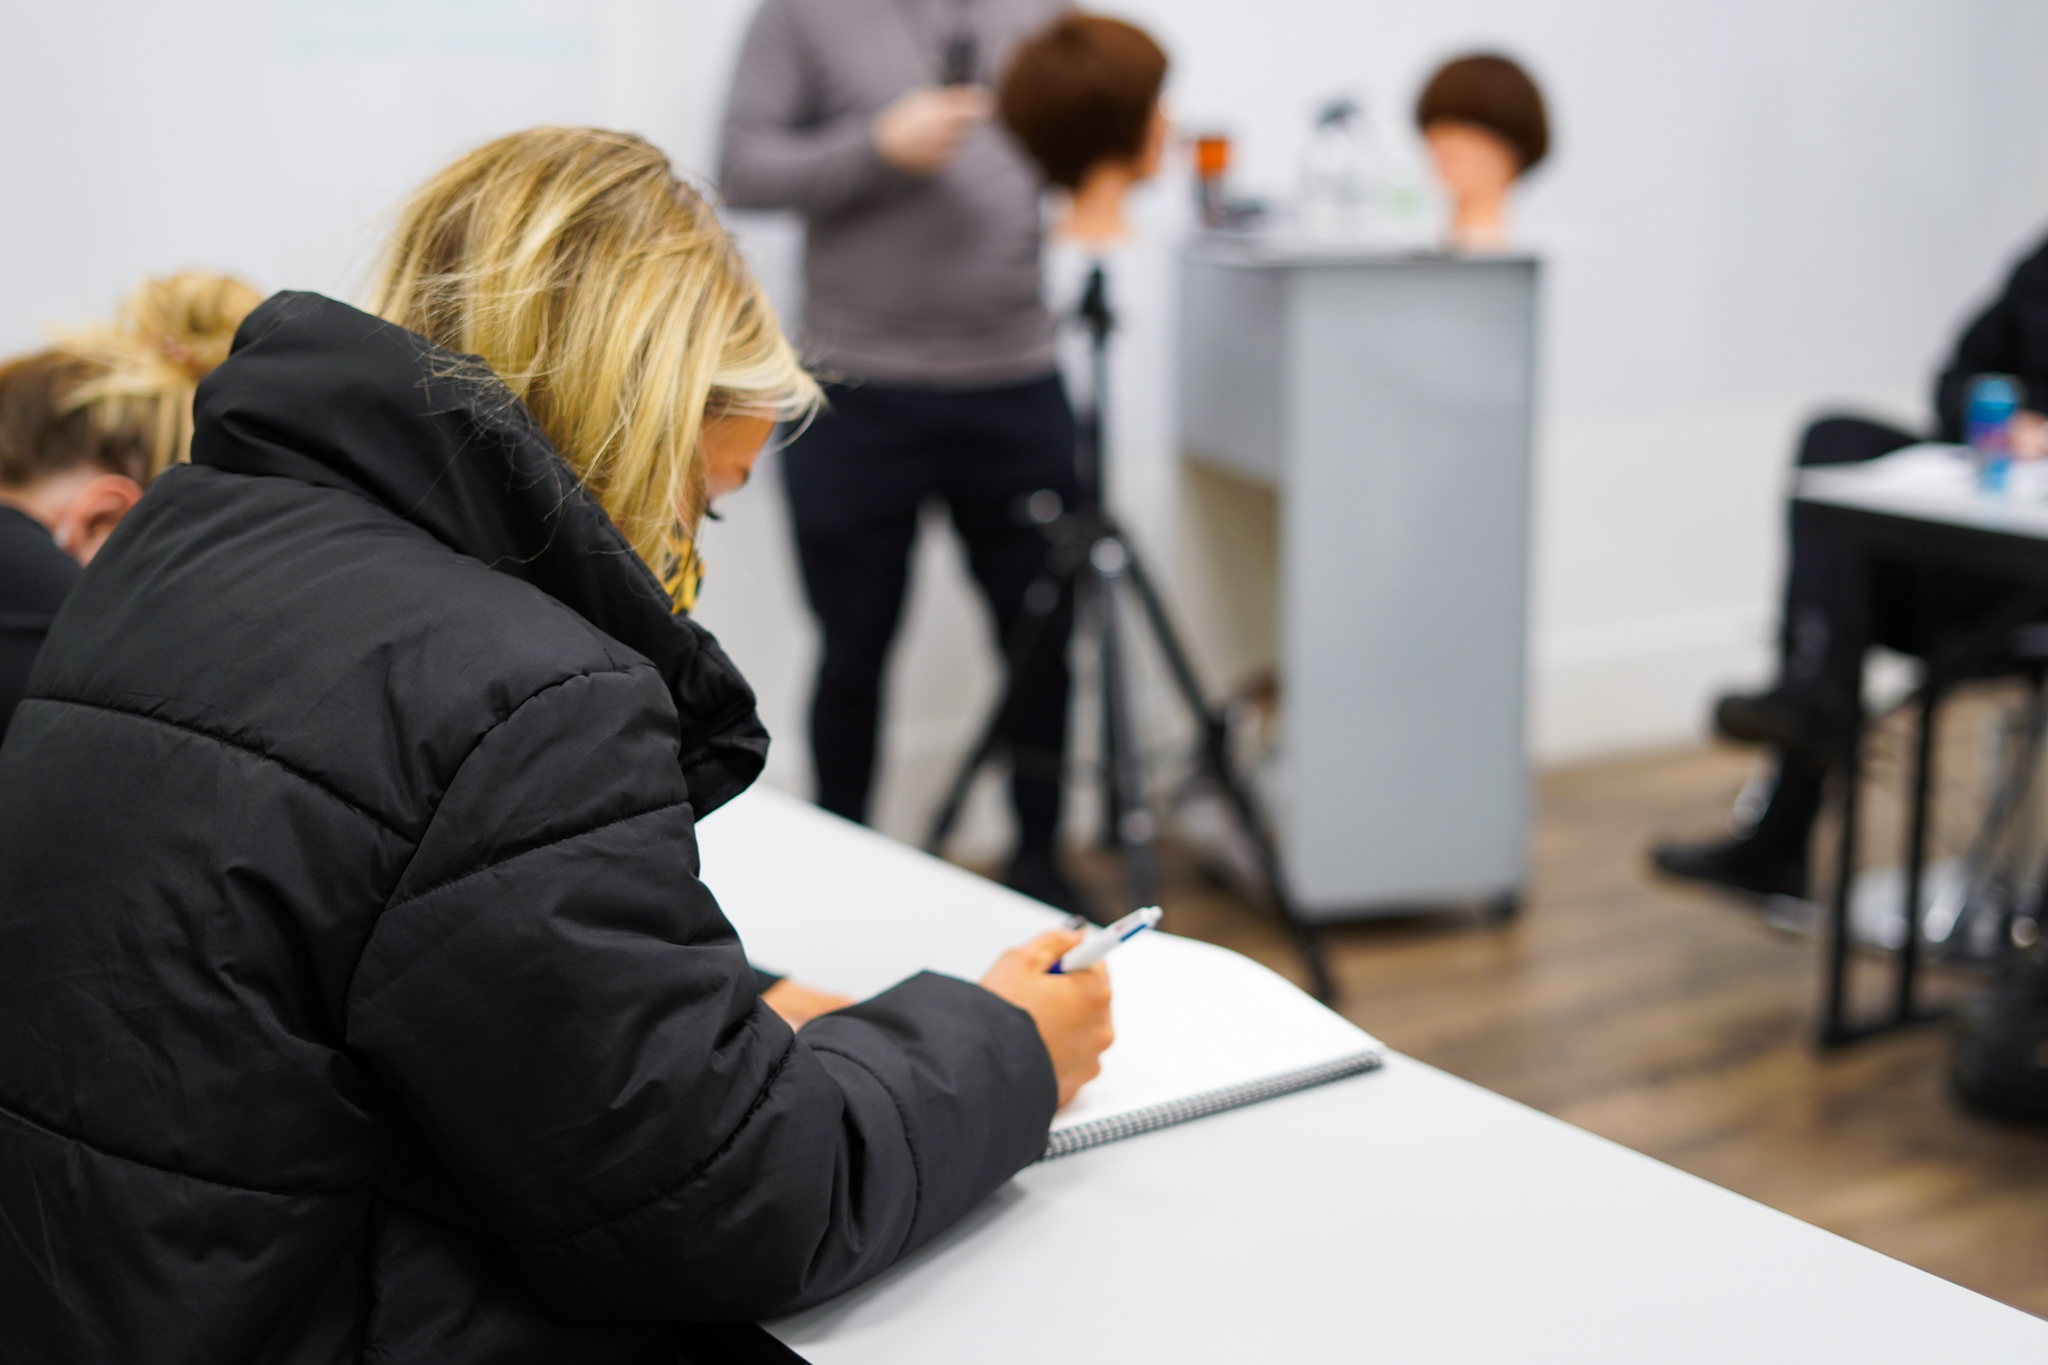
(1394, 1217)
(1931, 483)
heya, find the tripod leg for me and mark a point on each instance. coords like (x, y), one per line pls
(1042, 604)
(1131, 816)
(1110, 737)
(1222, 768)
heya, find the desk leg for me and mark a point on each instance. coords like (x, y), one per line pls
(1853, 643)
(1834, 1029)
(1903, 1011)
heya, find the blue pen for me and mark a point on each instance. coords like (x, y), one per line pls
(1098, 944)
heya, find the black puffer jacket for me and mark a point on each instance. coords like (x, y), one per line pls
(2009, 337)
(358, 999)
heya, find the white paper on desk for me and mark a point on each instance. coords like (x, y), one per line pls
(843, 908)
(1200, 1029)
(1936, 483)
(1929, 469)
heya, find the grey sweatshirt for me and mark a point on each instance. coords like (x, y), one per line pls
(929, 282)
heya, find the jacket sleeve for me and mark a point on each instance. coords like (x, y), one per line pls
(777, 150)
(2009, 337)
(572, 1025)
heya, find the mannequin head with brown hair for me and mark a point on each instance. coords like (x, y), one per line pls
(1486, 126)
(1082, 97)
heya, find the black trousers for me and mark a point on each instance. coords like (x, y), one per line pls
(857, 479)
(1911, 606)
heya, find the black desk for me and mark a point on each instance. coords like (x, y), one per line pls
(1918, 505)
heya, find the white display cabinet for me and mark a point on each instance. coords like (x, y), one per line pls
(1388, 401)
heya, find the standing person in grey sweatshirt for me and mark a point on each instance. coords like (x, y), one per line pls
(923, 312)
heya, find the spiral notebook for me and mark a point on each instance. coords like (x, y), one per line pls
(1199, 1029)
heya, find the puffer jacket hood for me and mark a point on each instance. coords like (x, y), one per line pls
(360, 999)
(331, 396)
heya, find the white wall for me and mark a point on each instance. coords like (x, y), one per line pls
(1756, 209)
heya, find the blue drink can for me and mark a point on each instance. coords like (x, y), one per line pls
(1987, 425)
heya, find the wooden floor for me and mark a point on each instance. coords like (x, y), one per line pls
(1674, 1022)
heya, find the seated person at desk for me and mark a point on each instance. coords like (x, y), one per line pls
(348, 880)
(83, 429)
(1767, 852)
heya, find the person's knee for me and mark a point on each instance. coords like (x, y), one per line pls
(1849, 440)
(851, 670)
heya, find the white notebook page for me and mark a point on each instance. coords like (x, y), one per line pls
(1192, 1018)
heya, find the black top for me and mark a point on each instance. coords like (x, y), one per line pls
(35, 578)
(362, 1000)
(2009, 337)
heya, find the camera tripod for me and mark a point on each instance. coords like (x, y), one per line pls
(1089, 560)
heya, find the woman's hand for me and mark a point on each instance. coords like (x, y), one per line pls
(1071, 1010)
(798, 1004)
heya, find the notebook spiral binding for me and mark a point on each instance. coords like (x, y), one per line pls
(1082, 1136)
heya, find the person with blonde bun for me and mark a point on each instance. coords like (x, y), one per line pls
(84, 427)
(169, 334)
(377, 1010)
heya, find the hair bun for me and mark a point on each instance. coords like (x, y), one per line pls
(169, 334)
(189, 319)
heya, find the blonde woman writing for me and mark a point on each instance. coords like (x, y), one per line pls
(365, 1001)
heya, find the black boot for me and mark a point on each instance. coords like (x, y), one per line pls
(1735, 864)
(1769, 858)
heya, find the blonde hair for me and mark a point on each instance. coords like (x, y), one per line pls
(168, 335)
(603, 291)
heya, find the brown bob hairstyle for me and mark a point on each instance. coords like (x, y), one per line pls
(1082, 91)
(43, 432)
(1493, 93)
